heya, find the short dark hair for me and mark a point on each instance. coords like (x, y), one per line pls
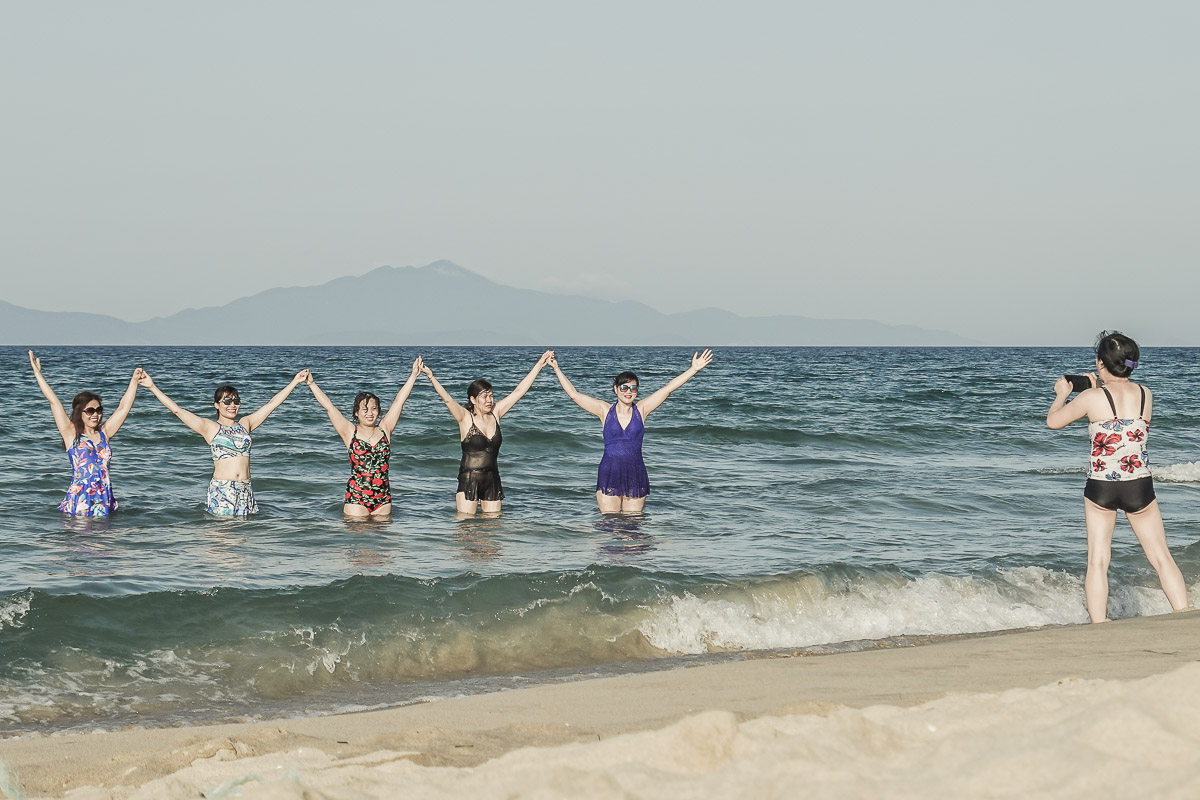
(1114, 349)
(474, 390)
(78, 405)
(225, 390)
(359, 399)
(625, 377)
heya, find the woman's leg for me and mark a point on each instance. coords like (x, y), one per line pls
(1147, 526)
(464, 505)
(1100, 523)
(607, 503)
(632, 505)
(490, 506)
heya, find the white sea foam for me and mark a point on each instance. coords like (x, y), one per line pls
(812, 613)
(1178, 473)
(13, 611)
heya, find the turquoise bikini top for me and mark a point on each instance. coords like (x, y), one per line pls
(230, 442)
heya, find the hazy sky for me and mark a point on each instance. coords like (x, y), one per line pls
(1016, 172)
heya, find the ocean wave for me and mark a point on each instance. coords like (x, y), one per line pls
(13, 610)
(1178, 473)
(85, 660)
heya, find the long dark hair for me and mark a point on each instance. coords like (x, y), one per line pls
(474, 390)
(1117, 352)
(78, 405)
(359, 399)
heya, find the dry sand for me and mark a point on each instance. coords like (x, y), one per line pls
(1118, 714)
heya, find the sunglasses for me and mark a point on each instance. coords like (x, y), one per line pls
(93, 411)
(628, 387)
(229, 401)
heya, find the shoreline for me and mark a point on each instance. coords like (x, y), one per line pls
(469, 731)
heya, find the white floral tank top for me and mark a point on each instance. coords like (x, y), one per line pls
(1119, 446)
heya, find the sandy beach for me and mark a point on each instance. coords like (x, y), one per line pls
(1058, 712)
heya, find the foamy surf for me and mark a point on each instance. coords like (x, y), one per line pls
(300, 650)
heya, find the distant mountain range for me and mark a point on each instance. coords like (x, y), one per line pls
(445, 304)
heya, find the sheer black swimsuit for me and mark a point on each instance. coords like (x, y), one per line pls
(478, 477)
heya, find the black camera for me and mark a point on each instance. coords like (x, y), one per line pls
(1079, 383)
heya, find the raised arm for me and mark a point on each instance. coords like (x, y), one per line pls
(205, 427)
(388, 423)
(1062, 413)
(252, 421)
(61, 421)
(588, 404)
(343, 426)
(114, 422)
(457, 410)
(505, 405)
(699, 362)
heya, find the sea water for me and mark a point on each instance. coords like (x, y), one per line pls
(803, 499)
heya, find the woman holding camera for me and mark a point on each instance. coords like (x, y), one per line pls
(1118, 412)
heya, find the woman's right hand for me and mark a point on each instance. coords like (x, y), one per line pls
(1062, 386)
(144, 380)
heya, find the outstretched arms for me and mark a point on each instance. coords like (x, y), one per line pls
(503, 406)
(205, 427)
(61, 421)
(588, 404)
(699, 362)
(114, 422)
(388, 423)
(456, 410)
(340, 424)
(252, 421)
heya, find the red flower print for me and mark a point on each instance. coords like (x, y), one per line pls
(1136, 435)
(377, 481)
(1130, 463)
(1098, 466)
(1102, 445)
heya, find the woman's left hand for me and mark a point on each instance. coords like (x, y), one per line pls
(701, 360)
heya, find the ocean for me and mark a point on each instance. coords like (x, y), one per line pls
(803, 500)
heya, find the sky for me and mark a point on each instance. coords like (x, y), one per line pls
(1019, 173)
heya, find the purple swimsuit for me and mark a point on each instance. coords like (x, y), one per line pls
(622, 470)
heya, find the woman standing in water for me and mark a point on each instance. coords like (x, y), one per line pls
(86, 440)
(1119, 472)
(229, 492)
(622, 483)
(479, 431)
(367, 438)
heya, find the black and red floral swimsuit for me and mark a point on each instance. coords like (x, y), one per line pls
(368, 485)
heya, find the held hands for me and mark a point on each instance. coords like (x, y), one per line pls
(426, 371)
(303, 376)
(144, 379)
(418, 367)
(547, 358)
(701, 360)
(137, 376)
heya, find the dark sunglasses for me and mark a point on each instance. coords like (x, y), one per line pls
(93, 410)
(231, 401)
(628, 387)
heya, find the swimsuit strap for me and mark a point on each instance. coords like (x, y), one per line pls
(1142, 410)
(1110, 402)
